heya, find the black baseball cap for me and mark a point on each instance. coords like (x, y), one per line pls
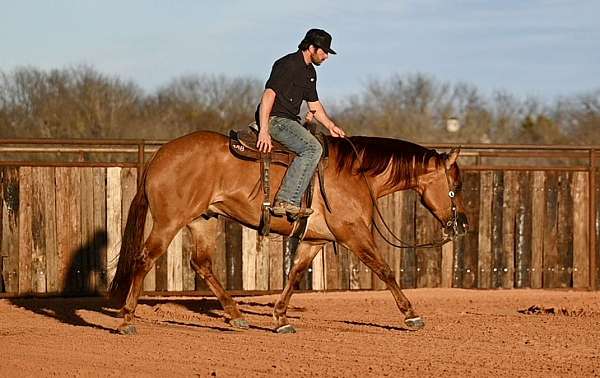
(319, 38)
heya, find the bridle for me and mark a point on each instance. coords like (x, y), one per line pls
(451, 223)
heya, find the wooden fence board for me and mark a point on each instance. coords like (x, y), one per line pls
(275, 263)
(99, 275)
(421, 236)
(113, 220)
(565, 230)
(447, 264)
(128, 190)
(523, 219)
(538, 214)
(188, 250)
(332, 268)
(249, 252)
(10, 228)
(472, 198)
(496, 235)
(365, 277)
(75, 251)
(219, 255)
(87, 234)
(38, 234)
(234, 255)
(63, 229)
(408, 234)
(319, 271)
(3, 253)
(551, 260)
(175, 263)
(458, 262)
(262, 262)
(383, 248)
(344, 267)
(597, 227)
(484, 267)
(43, 229)
(428, 259)
(354, 270)
(396, 255)
(580, 230)
(511, 193)
(25, 234)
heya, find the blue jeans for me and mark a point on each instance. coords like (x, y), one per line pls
(298, 139)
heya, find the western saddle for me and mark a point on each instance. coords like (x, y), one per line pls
(242, 143)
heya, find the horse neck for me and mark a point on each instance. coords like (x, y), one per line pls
(382, 188)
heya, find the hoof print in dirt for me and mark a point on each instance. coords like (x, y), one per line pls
(239, 323)
(127, 330)
(286, 329)
(414, 324)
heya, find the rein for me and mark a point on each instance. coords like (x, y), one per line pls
(404, 245)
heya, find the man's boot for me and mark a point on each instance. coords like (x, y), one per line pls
(285, 208)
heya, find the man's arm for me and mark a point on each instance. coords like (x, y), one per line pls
(321, 116)
(266, 105)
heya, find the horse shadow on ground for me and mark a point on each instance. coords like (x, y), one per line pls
(81, 291)
(66, 310)
(212, 308)
(86, 282)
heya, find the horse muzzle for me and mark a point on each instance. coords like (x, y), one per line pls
(458, 226)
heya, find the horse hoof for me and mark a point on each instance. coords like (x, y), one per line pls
(127, 330)
(239, 323)
(286, 329)
(414, 324)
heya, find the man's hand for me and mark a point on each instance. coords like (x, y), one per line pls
(264, 141)
(337, 132)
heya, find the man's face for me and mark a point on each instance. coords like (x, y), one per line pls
(317, 55)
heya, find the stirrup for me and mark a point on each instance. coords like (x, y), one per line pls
(281, 209)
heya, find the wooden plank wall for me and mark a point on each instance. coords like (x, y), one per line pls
(61, 233)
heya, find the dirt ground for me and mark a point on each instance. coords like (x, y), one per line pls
(342, 334)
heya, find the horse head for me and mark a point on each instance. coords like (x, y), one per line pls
(441, 193)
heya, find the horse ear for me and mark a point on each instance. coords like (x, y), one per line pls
(452, 157)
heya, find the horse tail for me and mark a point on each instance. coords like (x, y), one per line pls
(130, 255)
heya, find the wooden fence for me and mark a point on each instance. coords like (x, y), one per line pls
(530, 227)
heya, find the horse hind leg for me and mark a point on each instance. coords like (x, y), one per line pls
(156, 245)
(306, 253)
(204, 240)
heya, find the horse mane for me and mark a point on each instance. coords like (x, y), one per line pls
(408, 160)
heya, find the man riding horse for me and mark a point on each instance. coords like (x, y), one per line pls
(197, 176)
(293, 79)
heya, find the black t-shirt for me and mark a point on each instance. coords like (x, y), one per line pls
(293, 81)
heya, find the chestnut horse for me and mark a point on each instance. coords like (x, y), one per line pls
(196, 176)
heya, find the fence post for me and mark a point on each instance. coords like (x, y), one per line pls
(140, 167)
(592, 218)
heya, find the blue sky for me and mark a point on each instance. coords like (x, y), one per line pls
(544, 48)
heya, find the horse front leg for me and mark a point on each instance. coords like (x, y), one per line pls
(306, 253)
(363, 246)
